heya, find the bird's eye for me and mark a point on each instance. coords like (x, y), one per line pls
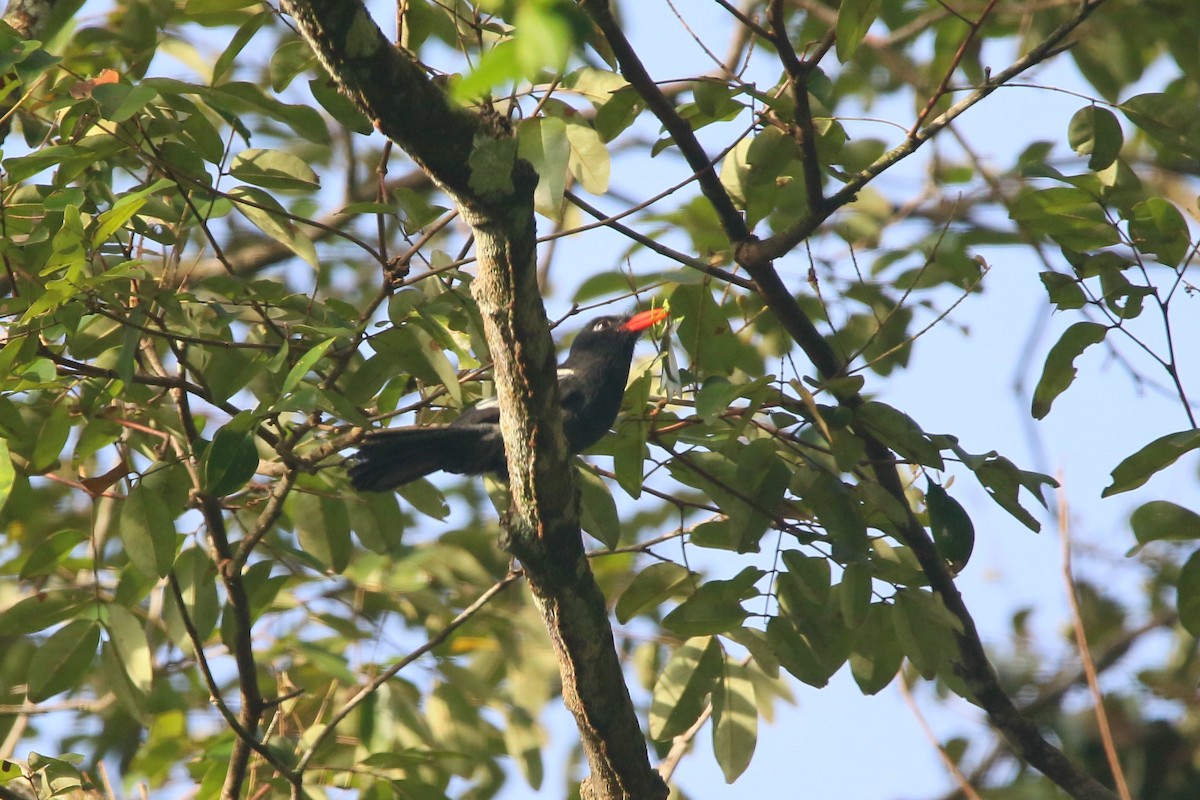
(601, 324)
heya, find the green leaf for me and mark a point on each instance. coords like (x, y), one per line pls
(340, 107)
(796, 653)
(52, 437)
(589, 162)
(543, 142)
(523, 743)
(715, 607)
(1095, 132)
(273, 169)
(1003, 482)
(877, 655)
(148, 531)
(304, 365)
(42, 610)
(951, 526)
(63, 660)
(266, 214)
(925, 630)
(289, 60)
(899, 432)
(854, 596)
(231, 459)
(128, 636)
(237, 95)
(124, 210)
(1071, 217)
(8, 473)
(496, 66)
(619, 112)
(120, 101)
(132, 699)
(425, 498)
(761, 480)
(46, 557)
(1172, 123)
(323, 527)
(652, 586)
(735, 720)
(598, 513)
(1060, 367)
(1188, 588)
(756, 642)
(544, 35)
(1064, 290)
(236, 44)
(629, 445)
(715, 395)
(1157, 226)
(1160, 520)
(378, 522)
(197, 577)
(1154, 457)
(854, 19)
(805, 582)
(751, 171)
(679, 693)
(837, 507)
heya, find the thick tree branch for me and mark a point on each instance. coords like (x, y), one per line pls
(448, 142)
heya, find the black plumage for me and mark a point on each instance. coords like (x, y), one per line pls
(591, 384)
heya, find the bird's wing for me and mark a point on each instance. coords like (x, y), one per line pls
(487, 410)
(570, 390)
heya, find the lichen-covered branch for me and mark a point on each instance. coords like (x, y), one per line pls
(448, 142)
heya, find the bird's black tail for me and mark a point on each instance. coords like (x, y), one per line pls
(396, 456)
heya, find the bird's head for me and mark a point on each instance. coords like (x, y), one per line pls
(606, 332)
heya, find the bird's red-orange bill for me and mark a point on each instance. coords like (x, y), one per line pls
(644, 319)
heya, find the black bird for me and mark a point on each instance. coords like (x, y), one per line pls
(591, 384)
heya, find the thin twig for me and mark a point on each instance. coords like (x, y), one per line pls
(964, 785)
(682, 743)
(1085, 653)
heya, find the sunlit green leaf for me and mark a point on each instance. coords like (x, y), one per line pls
(128, 636)
(543, 143)
(7, 473)
(735, 720)
(273, 169)
(682, 687)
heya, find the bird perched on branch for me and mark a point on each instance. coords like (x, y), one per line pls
(591, 384)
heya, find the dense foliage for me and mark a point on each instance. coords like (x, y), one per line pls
(217, 276)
